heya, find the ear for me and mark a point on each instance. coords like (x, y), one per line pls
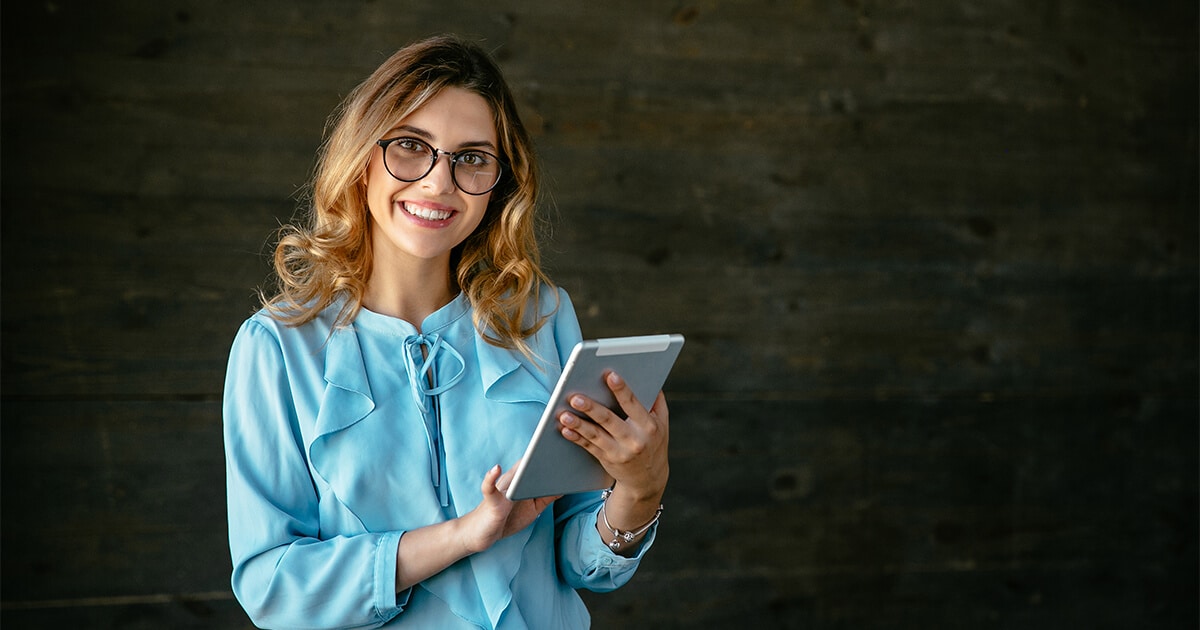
(365, 176)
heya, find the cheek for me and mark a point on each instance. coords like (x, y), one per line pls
(378, 189)
(375, 179)
(376, 203)
(481, 211)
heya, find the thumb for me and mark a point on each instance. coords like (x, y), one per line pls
(489, 480)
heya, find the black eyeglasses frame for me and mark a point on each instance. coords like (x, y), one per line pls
(436, 153)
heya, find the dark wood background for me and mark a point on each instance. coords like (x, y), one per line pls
(936, 263)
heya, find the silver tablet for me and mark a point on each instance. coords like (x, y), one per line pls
(552, 464)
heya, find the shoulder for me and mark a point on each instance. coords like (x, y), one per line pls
(553, 308)
(262, 328)
(560, 326)
(552, 301)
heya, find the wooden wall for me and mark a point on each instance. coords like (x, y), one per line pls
(936, 262)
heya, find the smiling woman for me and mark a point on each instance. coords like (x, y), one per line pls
(498, 266)
(370, 406)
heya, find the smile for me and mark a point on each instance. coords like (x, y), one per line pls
(429, 214)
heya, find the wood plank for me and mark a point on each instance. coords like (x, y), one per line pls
(792, 515)
(785, 490)
(937, 267)
(200, 610)
(131, 300)
(107, 499)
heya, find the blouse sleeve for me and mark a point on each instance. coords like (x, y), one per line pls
(284, 574)
(584, 560)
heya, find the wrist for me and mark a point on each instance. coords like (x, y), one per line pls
(460, 533)
(633, 498)
(621, 538)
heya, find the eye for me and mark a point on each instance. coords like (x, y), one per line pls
(474, 159)
(411, 145)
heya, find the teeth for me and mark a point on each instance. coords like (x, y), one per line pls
(428, 214)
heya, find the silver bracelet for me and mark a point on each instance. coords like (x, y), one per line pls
(620, 537)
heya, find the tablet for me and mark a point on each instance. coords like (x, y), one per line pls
(554, 465)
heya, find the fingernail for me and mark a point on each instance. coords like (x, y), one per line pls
(567, 418)
(613, 378)
(578, 402)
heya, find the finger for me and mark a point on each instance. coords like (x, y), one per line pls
(570, 427)
(592, 432)
(489, 480)
(625, 396)
(602, 417)
(659, 410)
(505, 480)
(541, 503)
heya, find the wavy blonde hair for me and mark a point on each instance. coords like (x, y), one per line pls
(497, 266)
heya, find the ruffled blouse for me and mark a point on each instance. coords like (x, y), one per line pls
(339, 440)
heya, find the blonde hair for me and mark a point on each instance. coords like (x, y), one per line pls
(497, 266)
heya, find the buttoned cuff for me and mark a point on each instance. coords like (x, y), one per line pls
(598, 567)
(388, 603)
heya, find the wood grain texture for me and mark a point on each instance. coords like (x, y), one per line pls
(936, 263)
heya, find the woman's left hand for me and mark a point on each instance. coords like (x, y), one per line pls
(632, 450)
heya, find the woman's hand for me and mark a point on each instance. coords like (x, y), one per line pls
(427, 551)
(632, 450)
(496, 517)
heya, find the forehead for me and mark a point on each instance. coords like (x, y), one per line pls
(453, 115)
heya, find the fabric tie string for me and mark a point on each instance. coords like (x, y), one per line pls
(421, 353)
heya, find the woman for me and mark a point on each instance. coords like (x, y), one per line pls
(370, 406)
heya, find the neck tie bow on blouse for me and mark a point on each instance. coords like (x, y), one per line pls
(422, 353)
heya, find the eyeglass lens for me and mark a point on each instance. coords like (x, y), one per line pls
(409, 159)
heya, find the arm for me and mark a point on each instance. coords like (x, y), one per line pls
(584, 558)
(632, 450)
(285, 574)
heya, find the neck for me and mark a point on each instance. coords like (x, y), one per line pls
(411, 291)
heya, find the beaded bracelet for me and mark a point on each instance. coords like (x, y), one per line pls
(626, 536)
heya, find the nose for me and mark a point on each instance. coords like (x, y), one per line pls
(440, 179)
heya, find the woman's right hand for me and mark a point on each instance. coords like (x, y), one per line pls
(426, 551)
(497, 517)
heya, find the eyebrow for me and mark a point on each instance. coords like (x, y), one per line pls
(425, 135)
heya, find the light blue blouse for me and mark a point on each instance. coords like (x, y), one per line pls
(340, 440)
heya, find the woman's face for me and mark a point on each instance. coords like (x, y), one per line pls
(422, 221)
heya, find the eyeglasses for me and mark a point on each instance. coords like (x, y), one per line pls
(408, 159)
